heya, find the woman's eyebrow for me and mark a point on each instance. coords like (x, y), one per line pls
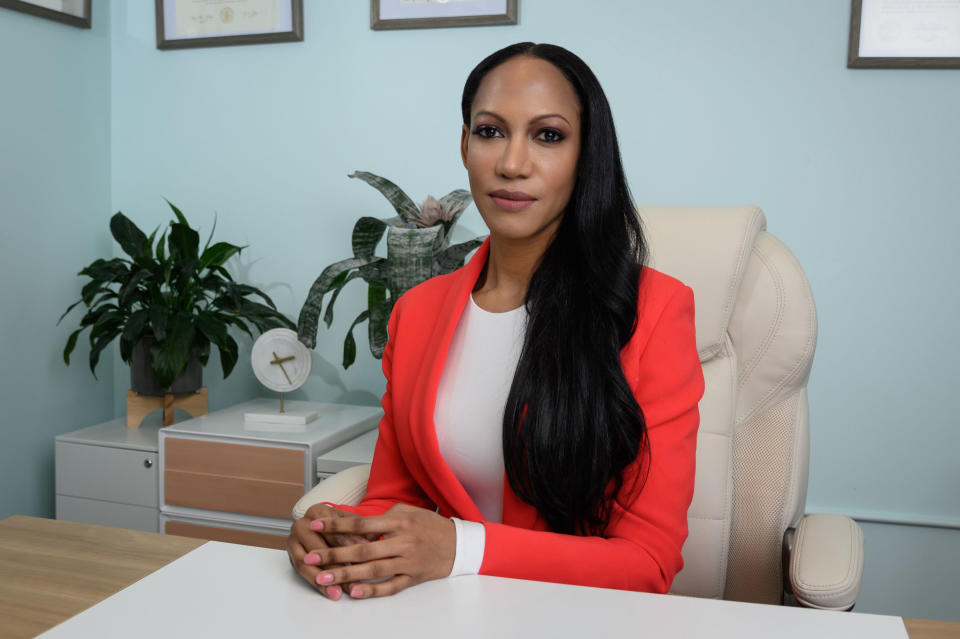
(532, 120)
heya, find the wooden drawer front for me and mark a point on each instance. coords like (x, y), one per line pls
(230, 535)
(109, 474)
(231, 494)
(239, 478)
(234, 460)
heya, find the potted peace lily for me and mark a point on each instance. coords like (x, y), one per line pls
(418, 248)
(168, 301)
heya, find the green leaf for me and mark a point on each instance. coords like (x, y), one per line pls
(171, 356)
(69, 308)
(105, 271)
(124, 298)
(71, 343)
(307, 324)
(176, 211)
(162, 248)
(229, 356)
(90, 290)
(130, 238)
(451, 258)
(212, 327)
(201, 349)
(218, 254)
(210, 237)
(367, 233)
(410, 257)
(110, 322)
(350, 344)
(96, 346)
(236, 320)
(184, 243)
(405, 207)
(94, 314)
(328, 314)
(158, 322)
(126, 349)
(375, 272)
(379, 307)
(132, 332)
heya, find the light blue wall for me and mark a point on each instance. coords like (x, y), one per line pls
(55, 187)
(716, 103)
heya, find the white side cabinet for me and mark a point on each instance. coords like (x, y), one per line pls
(108, 474)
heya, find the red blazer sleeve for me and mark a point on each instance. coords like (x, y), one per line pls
(390, 481)
(641, 549)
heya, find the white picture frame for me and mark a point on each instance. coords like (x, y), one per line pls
(429, 14)
(904, 34)
(215, 23)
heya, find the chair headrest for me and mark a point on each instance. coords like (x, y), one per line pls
(706, 248)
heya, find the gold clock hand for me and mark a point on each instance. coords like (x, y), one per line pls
(280, 361)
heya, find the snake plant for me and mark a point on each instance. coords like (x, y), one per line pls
(173, 294)
(418, 248)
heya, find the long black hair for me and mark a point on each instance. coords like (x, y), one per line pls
(571, 424)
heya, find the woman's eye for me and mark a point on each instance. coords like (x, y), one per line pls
(486, 131)
(550, 135)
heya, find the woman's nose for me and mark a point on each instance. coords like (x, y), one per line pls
(514, 162)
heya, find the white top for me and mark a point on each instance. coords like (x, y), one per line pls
(469, 415)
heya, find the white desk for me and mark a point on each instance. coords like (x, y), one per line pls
(226, 590)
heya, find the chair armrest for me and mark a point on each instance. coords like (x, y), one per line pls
(826, 565)
(346, 487)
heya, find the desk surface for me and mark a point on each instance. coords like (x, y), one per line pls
(52, 570)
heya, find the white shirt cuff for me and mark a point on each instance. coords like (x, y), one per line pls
(471, 539)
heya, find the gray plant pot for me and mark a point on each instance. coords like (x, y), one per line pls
(143, 381)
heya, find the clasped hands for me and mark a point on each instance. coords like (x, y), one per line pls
(337, 551)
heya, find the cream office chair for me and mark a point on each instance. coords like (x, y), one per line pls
(756, 334)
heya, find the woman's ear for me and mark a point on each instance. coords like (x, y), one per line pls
(464, 136)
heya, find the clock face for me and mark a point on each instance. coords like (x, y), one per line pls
(280, 361)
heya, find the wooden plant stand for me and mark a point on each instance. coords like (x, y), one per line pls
(139, 406)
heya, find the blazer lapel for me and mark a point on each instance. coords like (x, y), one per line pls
(449, 494)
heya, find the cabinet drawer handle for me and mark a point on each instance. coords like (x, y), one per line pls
(148, 463)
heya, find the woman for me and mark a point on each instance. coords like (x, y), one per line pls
(552, 358)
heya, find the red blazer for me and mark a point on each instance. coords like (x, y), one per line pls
(641, 550)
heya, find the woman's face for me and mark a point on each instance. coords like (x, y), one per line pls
(521, 148)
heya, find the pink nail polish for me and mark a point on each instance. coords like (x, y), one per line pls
(356, 592)
(316, 524)
(311, 558)
(324, 578)
(334, 592)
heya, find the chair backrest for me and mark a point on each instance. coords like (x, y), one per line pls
(756, 334)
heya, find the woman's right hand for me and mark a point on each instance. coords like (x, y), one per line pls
(303, 540)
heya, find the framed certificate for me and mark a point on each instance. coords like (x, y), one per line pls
(215, 23)
(75, 12)
(425, 14)
(905, 34)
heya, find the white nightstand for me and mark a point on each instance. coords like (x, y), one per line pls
(224, 479)
(107, 474)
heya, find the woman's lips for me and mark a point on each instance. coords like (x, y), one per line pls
(512, 200)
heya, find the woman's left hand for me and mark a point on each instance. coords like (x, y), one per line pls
(415, 545)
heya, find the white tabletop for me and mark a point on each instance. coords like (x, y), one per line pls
(227, 590)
